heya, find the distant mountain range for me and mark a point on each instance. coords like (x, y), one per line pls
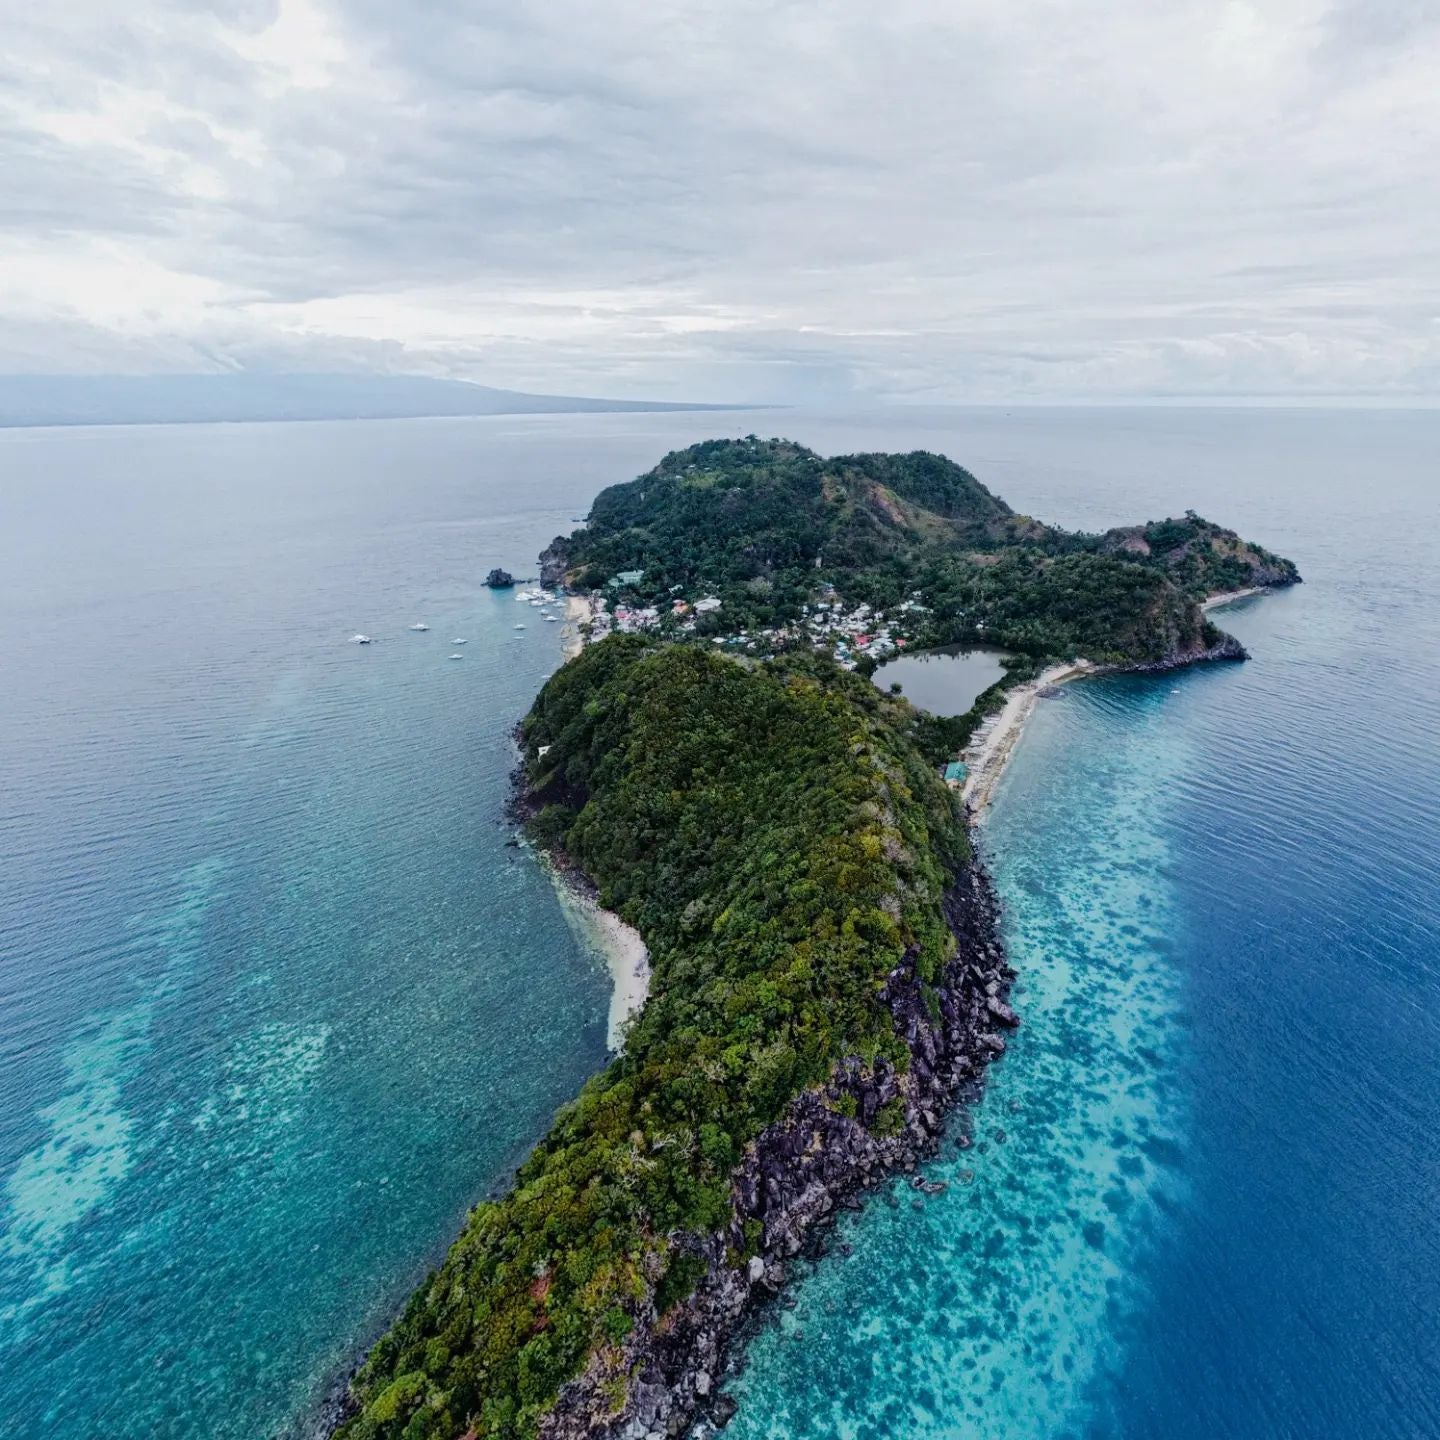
(182, 399)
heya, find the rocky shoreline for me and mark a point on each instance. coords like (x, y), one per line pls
(831, 1146)
(1226, 648)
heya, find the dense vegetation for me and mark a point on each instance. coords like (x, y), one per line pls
(779, 835)
(762, 524)
(780, 843)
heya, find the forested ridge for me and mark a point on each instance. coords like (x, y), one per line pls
(777, 832)
(763, 524)
(780, 844)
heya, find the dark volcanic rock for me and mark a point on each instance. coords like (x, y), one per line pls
(818, 1158)
(1001, 1011)
(1227, 647)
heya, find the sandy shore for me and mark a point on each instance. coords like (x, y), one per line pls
(1229, 597)
(619, 945)
(577, 610)
(992, 745)
(988, 752)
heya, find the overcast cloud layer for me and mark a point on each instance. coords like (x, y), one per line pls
(918, 199)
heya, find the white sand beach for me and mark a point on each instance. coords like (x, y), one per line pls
(994, 742)
(577, 611)
(607, 936)
(1229, 597)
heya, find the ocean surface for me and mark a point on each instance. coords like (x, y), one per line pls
(278, 1002)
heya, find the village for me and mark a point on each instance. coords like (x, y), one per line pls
(848, 634)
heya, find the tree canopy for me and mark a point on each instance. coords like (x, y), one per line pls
(764, 524)
(780, 844)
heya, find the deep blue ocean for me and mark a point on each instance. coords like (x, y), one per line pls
(278, 1003)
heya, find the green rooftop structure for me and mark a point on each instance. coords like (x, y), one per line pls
(955, 773)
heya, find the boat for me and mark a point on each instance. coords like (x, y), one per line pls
(459, 640)
(520, 626)
(550, 618)
(457, 656)
(360, 640)
(419, 625)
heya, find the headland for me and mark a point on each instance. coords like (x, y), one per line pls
(828, 978)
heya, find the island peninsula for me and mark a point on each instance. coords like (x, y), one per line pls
(827, 975)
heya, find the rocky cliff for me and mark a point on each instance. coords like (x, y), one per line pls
(831, 1146)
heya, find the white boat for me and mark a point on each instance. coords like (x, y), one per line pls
(550, 618)
(457, 656)
(459, 640)
(360, 640)
(419, 625)
(520, 626)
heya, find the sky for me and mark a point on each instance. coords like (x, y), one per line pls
(927, 201)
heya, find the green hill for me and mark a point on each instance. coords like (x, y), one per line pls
(782, 848)
(764, 525)
(827, 975)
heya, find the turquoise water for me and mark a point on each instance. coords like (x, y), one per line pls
(978, 1312)
(277, 1002)
(273, 984)
(1214, 1210)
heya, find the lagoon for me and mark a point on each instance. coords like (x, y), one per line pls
(945, 681)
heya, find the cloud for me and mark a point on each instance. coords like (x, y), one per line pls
(787, 199)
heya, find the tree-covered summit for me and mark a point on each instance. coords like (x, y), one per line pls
(767, 525)
(740, 510)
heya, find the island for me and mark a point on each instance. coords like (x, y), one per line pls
(499, 579)
(827, 979)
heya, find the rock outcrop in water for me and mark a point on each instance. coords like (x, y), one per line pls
(1225, 647)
